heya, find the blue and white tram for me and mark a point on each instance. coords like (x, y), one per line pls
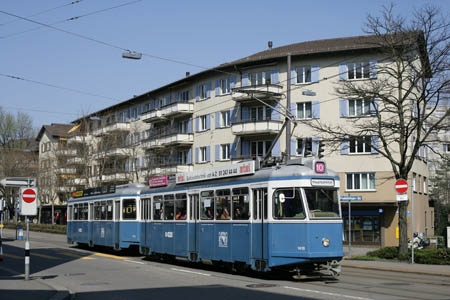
(282, 217)
(105, 216)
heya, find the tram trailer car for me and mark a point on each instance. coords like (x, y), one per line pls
(106, 218)
(283, 217)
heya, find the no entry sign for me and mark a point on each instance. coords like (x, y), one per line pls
(401, 186)
(28, 201)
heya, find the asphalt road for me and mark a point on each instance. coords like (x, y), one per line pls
(104, 274)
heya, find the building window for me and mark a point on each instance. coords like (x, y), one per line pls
(304, 110)
(446, 148)
(360, 144)
(183, 126)
(259, 148)
(303, 74)
(425, 185)
(358, 107)
(184, 96)
(182, 157)
(259, 78)
(359, 70)
(225, 151)
(203, 154)
(414, 182)
(360, 181)
(304, 146)
(203, 91)
(260, 113)
(202, 123)
(225, 118)
(225, 86)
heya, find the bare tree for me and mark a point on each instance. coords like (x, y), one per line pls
(411, 75)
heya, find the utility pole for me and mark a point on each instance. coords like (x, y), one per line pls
(288, 107)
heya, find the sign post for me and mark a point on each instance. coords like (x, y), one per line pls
(350, 199)
(401, 186)
(28, 207)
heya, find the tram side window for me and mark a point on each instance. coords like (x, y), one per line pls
(109, 210)
(145, 208)
(240, 204)
(84, 211)
(103, 211)
(129, 209)
(97, 211)
(75, 212)
(157, 207)
(169, 207)
(180, 206)
(207, 205)
(223, 204)
(288, 204)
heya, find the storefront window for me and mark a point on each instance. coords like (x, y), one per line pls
(365, 228)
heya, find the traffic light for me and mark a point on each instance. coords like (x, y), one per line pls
(320, 150)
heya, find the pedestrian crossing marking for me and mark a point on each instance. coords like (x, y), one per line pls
(12, 256)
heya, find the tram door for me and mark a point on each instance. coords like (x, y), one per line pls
(91, 225)
(192, 229)
(259, 227)
(117, 224)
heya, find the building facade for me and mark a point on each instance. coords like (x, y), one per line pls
(237, 111)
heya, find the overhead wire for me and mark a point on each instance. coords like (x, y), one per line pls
(70, 19)
(39, 110)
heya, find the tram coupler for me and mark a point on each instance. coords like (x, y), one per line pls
(333, 268)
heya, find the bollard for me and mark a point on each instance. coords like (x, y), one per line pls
(27, 260)
(20, 233)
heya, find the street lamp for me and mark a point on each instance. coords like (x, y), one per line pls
(132, 55)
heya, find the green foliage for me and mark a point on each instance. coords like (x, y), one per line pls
(49, 228)
(421, 256)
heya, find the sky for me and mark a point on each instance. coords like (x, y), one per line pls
(55, 76)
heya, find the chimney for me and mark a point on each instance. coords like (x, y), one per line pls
(270, 44)
(188, 74)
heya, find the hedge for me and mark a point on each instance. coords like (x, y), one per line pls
(439, 256)
(60, 229)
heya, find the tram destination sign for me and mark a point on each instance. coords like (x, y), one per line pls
(110, 189)
(239, 169)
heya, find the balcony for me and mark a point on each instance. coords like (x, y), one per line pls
(171, 169)
(65, 189)
(246, 93)
(176, 109)
(76, 182)
(256, 127)
(117, 152)
(112, 128)
(65, 171)
(66, 152)
(78, 139)
(75, 161)
(168, 138)
(117, 177)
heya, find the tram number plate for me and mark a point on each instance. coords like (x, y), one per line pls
(168, 234)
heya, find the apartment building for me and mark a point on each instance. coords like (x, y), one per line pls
(236, 111)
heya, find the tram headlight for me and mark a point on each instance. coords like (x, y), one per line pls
(325, 242)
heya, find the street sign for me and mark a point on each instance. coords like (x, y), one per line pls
(17, 182)
(401, 186)
(28, 201)
(351, 198)
(402, 197)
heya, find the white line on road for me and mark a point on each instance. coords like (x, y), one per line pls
(135, 262)
(186, 271)
(326, 293)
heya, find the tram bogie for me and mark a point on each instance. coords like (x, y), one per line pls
(285, 217)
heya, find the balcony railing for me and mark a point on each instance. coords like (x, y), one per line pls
(246, 93)
(169, 137)
(170, 110)
(63, 171)
(76, 139)
(75, 161)
(121, 177)
(117, 152)
(256, 127)
(111, 128)
(170, 169)
(66, 152)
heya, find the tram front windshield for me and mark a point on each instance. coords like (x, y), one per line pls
(322, 203)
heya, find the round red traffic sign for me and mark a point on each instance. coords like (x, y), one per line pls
(401, 186)
(29, 195)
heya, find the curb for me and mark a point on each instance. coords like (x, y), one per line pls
(395, 270)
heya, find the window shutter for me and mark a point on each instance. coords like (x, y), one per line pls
(189, 125)
(197, 124)
(197, 93)
(315, 73)
(208, 153)
(373, 69)
(315, 145)
(245, 149)
(233, 115)
(189, 156)
(217, 152)
(177, 96)
(275, 113)
(217, 119)
(196, 155)
(232, 80)
(276, 151)
(233, 150)
(374, 142)
(245, 114)
(293, 76)
(293, 147)
(344, 145)
(343, 108)
(208, 90)
(374, 106)
(274, 78)
(343, 75)
(168, 100)
(208, 121)
(217, 86)
(245, 81)
(315, 109)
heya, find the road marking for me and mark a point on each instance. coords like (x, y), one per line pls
(135, 262)
(326, 293)
(71, 254)
(87, 257)
(13, 256)
(43, 255)
(186, 271)
(109, 256)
